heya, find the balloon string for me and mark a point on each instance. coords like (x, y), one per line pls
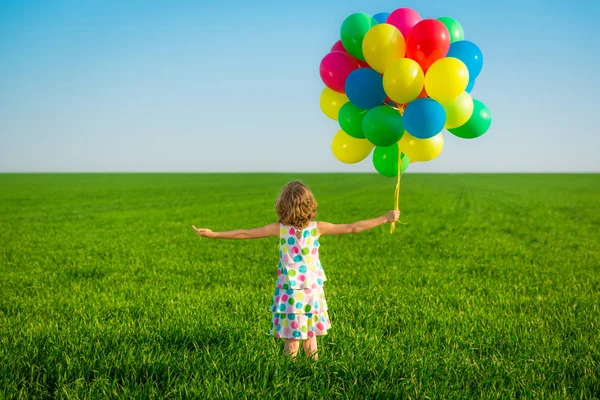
(400, 108)
(397, 192)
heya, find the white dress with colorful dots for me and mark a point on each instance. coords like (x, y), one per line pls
(299, 307)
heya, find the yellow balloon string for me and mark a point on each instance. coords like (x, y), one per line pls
(397, 191)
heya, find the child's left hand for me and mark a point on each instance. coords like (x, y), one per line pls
(204, 232)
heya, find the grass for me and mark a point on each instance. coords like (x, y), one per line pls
(490, 291)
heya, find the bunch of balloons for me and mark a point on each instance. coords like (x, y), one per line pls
(395, 82)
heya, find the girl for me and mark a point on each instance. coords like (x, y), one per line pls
(299, 307)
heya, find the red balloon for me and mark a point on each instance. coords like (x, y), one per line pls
(338, 46)
(423, 94)
(335, 68)
(427, 42)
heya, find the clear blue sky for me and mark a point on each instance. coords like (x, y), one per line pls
(234, 85)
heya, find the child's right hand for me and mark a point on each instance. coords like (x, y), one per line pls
(204, 232)
(392, 216)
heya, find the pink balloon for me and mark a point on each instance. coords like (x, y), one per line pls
(404, 19)
(338, 46)
(335, 68)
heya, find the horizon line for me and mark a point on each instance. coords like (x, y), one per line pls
(300, 172)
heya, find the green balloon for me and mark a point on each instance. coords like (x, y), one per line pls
(405, 163)
(383, 126)
(350, 118)
(454, 27)
(353, 31)
(385, 160)
(477, 125)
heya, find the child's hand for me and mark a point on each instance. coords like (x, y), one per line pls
(392, 216)
(204, 232)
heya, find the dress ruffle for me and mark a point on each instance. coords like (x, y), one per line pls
(299, 326)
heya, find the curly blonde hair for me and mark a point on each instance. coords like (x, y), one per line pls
(296, 206)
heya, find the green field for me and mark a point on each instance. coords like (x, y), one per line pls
(492, 290)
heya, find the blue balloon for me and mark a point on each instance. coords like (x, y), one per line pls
(424, 118)
(381, 17)
(364, 88)
(470, 86)
(469, 53)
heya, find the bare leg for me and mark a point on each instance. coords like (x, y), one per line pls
(290, 347)
(310, 348)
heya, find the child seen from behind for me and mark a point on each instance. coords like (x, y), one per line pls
(299, 307)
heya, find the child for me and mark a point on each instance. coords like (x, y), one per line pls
(299, 307)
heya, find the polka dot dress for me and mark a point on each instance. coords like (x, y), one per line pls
(299, 306)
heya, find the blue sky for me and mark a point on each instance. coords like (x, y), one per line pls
(234, 85)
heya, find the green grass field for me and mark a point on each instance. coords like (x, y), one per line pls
(492, 290)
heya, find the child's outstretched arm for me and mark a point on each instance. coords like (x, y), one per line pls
(256, 233)
(325, 228)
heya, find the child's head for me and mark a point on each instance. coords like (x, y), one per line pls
(296, 205)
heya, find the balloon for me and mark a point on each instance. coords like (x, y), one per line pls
(454, 28)
(338, 46)
(335, 68)
(331, 102)
(468, 53)
(350, 150)
(446, 79)
(405, 163)
(470, 86)
(423, 94)
(477, 125)
(364, 88)
(354, 29)
(458, 110)
(381, 17)
(403, 80)
(427, 42)
(421, 149)
(404, 19)
(385, 160)
(351, 120)
(383, 126)
(424, 118)
(382, 45)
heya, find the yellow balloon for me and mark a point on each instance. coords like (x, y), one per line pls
(348, 149)
(403, 80)
(446, 79)
(421, 149)
(383, 44)
(458, 110)
(331, 102)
